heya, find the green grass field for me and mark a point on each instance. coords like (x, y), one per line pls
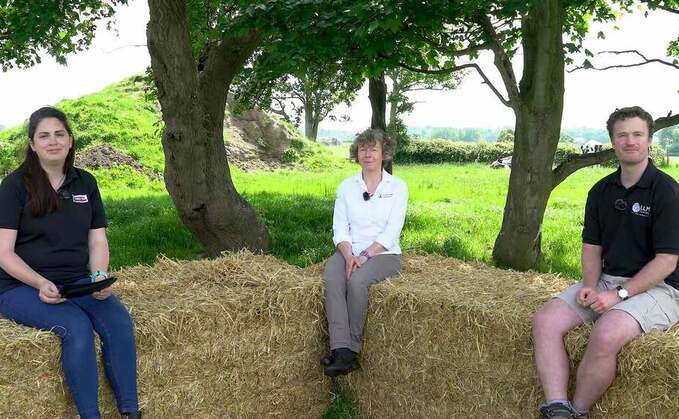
(455, 210)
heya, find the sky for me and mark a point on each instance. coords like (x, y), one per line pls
(590, 95)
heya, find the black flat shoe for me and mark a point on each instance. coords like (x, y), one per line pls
(131, 415)
(328, 359)
(343, 363)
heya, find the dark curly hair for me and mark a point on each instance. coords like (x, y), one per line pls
(630, 112)
(370, 137)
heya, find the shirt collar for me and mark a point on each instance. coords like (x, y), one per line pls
(386, 177)
(71, 175)
(646, 178)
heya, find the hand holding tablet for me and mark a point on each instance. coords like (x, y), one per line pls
(78, 290)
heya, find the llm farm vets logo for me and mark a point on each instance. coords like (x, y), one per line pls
(641, 210)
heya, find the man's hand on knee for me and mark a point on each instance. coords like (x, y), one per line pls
(605, 300)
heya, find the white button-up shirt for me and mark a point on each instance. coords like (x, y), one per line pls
(379, 219)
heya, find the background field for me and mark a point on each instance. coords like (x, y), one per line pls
(455, 210)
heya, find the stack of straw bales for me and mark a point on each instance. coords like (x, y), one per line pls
(449, 339)
(241, 336)
(237, 337)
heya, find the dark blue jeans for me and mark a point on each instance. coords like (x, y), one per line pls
(75, 322)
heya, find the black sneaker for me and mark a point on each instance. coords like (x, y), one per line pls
(558, 411)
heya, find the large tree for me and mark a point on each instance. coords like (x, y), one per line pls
(195, 54)
(443, 37)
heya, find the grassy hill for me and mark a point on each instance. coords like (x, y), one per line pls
(125, 118)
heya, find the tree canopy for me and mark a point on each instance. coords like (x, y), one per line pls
(29, 28)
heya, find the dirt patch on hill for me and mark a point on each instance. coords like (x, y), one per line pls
(105, 157)
(257, 141)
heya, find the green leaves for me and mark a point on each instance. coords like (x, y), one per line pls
(57, 27)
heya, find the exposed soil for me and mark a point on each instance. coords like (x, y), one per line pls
(105, 157)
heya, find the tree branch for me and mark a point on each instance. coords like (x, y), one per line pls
(655, 5)
(502, 61)
(575, 163)
(631, 51)
(666, 121)
(453, 52)
(449, 70)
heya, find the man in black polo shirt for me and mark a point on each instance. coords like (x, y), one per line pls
(629, 271)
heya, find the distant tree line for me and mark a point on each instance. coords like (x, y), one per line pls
(568, 135)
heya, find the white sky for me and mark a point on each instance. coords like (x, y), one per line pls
(590, 95)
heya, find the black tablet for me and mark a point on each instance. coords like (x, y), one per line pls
(78, 290)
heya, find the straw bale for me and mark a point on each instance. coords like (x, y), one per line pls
(450, 339)
(239, 336)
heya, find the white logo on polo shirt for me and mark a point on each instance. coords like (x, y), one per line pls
(641, 210)
(80, 199)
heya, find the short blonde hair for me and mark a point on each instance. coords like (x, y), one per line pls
(370, 137)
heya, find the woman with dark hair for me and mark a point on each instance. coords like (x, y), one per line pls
(370, 209)
(53, 233)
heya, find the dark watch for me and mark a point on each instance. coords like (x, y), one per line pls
(622, 293)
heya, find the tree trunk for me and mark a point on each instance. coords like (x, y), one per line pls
(193, 103)
(393, 102)
(311, 117)
(377, 93)
(538, 122)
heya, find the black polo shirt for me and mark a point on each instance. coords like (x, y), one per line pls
(633, 225)
(55, 245)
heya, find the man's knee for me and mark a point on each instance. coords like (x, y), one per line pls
(555, 317)
(612, 332)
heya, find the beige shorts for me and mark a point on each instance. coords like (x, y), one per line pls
(657, 308)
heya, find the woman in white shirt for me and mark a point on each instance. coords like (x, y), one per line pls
(369, 213)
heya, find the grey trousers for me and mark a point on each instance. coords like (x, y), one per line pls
(346, 301)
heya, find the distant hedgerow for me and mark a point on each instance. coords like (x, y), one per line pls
(443, 151)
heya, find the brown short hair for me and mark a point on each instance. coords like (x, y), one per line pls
(372, 136)
(630, 112)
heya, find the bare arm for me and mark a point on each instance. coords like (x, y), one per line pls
(99, 255)
(655, 271)
(98, 248)
(591, 271)
(649, 276)
(591, 264)
(17, 268)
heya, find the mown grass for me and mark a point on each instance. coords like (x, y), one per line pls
(455, 210)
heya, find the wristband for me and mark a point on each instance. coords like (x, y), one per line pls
(365, 253)
(95, 274)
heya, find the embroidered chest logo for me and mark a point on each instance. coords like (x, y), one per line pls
(641, 210)
(80, 199)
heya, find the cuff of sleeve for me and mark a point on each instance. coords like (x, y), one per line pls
(594, 242)
(384, 243)
(667, 250)
(339, 239)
